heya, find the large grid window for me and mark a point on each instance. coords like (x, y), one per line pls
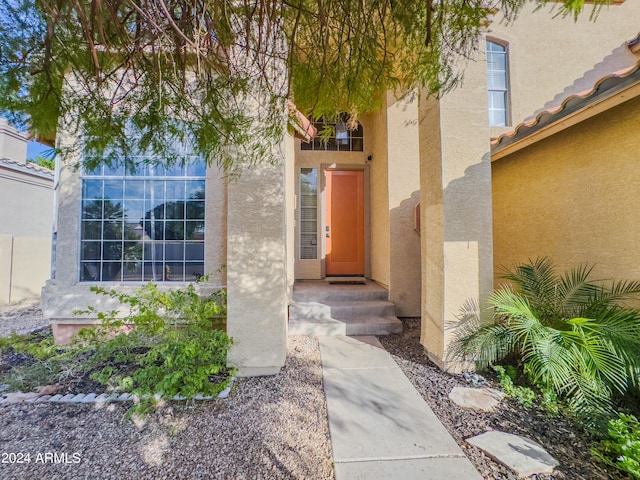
(341, 139)
(143, 226)
(498, 84)
(308, 213)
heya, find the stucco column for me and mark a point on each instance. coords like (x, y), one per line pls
(257, 269)
(456, 225)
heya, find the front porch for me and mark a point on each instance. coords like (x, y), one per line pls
(341, 306)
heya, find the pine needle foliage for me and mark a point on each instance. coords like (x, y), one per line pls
(169, 78)
(574, 336)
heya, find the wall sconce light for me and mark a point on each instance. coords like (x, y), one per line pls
(369, 158)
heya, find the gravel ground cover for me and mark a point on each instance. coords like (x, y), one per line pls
(21, 317)
(562, 438)
(269, 428)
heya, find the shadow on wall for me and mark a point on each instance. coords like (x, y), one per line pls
(406, 275)
(469, 219)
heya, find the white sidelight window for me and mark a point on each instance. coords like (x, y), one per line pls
(308, 213)
(498, 84)
(147, 225)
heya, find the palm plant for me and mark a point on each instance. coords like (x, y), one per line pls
(575, 336)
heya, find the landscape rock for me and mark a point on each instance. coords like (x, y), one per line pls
(48, 389)
(485, 399)
(17, 397)
(520, 454)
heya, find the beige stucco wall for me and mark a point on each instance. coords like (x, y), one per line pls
(25, 266)
(455, 171)
(404, 194)
(551, 57)
(380, 227)
(573, 197)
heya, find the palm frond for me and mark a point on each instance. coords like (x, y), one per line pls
(485, 345)
(574, 289)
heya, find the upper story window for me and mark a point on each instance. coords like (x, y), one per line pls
(498, 84)
(341, 139)
(143, 226)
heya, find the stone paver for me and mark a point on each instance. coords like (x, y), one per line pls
(485, 399)
(520, 454)
(380, 425)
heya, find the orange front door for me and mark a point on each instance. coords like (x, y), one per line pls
(345, 222)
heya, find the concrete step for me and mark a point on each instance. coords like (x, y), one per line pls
(319, 291)
(348, 326)
(339, 310)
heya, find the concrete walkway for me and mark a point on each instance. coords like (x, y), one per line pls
(380, 426)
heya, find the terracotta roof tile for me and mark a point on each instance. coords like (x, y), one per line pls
(34, 167)
(569, 104)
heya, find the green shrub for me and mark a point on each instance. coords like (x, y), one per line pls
(177, 345)
(622, 448)
(524, 395)
(573, 337)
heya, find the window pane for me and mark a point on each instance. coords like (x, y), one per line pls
(195, 189)
(154, 209)
(91, 251)
(134, 189)
(174, 210)
(92, 189)
(196, 169)
(174, 251)
(113, 189)
(111, 271)
(131, 271)
(112, 230)
(134, 210)
(113, 170)
(92, 230)
(175, 190)
(194, 231)
(174, 272)
(154, 229)
(112, 250)
(174, 230)
(153, 272)
(195, 209)
(194, 251)
(90, 271)
(92, 209)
